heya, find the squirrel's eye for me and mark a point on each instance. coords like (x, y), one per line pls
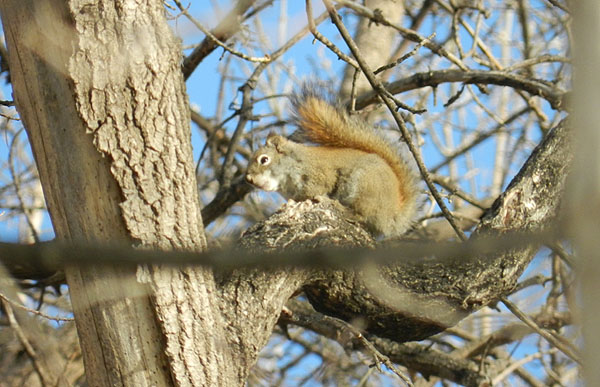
(264, 159)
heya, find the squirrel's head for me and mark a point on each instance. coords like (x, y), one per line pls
(260, 172)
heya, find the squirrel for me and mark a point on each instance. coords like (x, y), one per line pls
(350, 163)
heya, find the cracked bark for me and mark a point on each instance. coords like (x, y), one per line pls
(107, 116)
(100, 91)
(131, 97)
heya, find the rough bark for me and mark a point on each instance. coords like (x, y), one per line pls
(108, 120)
(81, 194)
(100, 91)
(130, 93)
(251, 300)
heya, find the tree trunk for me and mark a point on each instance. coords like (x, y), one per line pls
(584, 186)
(376, 43)
(99, 89)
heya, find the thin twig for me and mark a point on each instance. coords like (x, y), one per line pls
(415, 24)
(378, 87)
(36, 312)
(454, 190)
(324, 40)
(17, 186)
(198, 25)
(44, 375)
(402, 105)
(569, 259)
(558, 343)
(538, 60)
(353, 90)
(557, 4)
(409, 34)
(9, 117)
(76, 352)
(494, 62)
(228, 27)
(377, 355)
(245, 113)
(512, 367)
(405, 56)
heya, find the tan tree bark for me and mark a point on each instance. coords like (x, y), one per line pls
(100, 91)
(584, 187)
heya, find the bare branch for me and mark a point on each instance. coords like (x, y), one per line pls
(555, 96)
(216, 40)
(228, 27)
(565, 348)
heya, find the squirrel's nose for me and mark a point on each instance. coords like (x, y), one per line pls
(249, 179)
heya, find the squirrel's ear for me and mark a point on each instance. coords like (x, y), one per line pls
(270, 137)
(275, 141)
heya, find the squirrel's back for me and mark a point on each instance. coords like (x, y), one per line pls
(325, 123)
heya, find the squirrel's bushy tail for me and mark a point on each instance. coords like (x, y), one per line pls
(328, 124)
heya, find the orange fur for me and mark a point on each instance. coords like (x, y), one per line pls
(327, 125)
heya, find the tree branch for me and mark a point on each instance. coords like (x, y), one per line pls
(555, 96)
(228, 27)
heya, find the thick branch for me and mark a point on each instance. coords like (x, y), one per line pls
(252, 299)
(415, 356)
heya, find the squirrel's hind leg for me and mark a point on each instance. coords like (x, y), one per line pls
(365, 189)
